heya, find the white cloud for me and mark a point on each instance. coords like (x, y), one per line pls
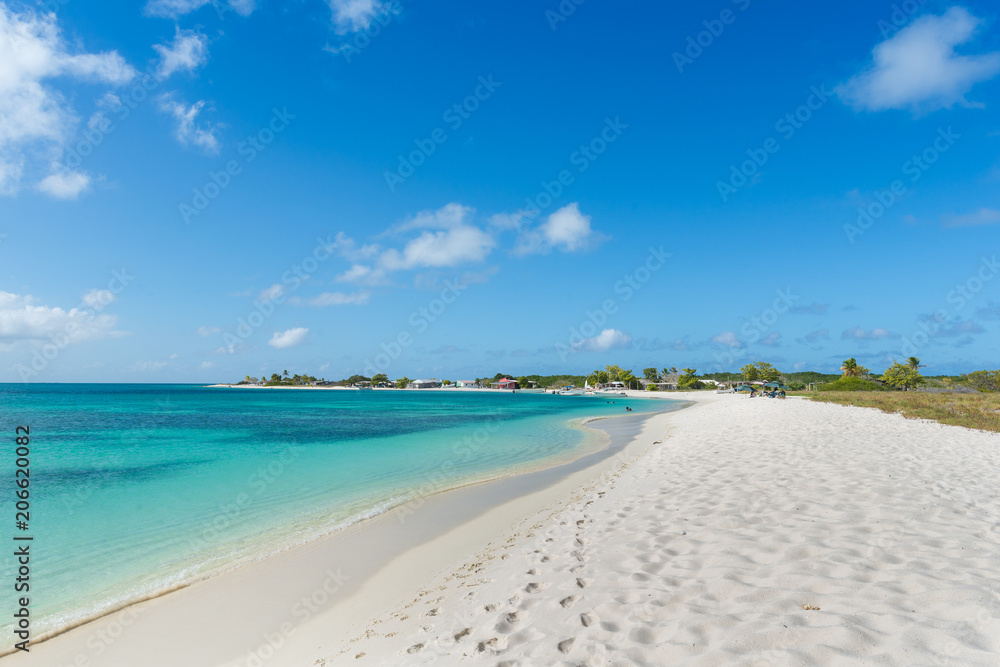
(567, 230)
(206, 365)
(208, 331)
(188, 52)
(98, 298)
(339, 299)
(918, 68)
(772, 340)
(609, 339)
(188, 132)
(290, 338)
(273, 292)
(727, 339)
(22, 319)
(344, 246)
(355, 15)
(857, 333)
(356, 273)
(65, 185)
(458, 245)
(36, 118)
(984, 216)
(447, 217)
(175, 8)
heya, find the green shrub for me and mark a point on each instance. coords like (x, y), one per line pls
(652, 387)
(852, 384)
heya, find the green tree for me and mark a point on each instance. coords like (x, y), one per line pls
(852, 369)
(275, 378)
(914, 363)
(767, 372)
(983, 380)
(598, 377)
(628, 378)
(614, 372)
(378, 378)
(651, 374)
(402, 382)
(285, 374)
(750, 373)
(687, 381)
(902, 377)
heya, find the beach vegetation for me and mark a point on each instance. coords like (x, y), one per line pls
(402, 382)
(760, 371)
(985, 381)
(852, 384)
(973, 410)
(379, 378)
(903, 376)
(852, 369)
(688, 381)
(651, 374)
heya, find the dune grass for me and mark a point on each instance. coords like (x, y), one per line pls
(979, 411)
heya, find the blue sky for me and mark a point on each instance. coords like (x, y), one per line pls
(196, 191)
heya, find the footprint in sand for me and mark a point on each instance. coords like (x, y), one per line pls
(583, 583)
(536, 586)
(415, 648)
(567, 645)
(588, 619)
(569, 601)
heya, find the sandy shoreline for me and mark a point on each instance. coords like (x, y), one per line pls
(710, 548)
(255, 602)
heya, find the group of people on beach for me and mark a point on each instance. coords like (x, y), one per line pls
(774, 393)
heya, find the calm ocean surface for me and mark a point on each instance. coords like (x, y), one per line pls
(136, 489)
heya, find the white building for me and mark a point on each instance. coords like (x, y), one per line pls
(424, 384)
(468, 384)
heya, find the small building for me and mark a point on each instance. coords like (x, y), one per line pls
(424, 384)
(364, 383)
(666, 383)
(504, 383)
(468, 384)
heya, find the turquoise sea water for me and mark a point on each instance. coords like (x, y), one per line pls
(136, 489)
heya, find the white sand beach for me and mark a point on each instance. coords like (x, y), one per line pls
(754, 532)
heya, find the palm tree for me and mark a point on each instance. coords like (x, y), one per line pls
(286, 374)
(850, 368)
(914, 363)
(247, 379)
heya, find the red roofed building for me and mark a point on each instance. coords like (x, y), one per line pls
(505, 383)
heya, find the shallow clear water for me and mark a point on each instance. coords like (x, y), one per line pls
(139, 488)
